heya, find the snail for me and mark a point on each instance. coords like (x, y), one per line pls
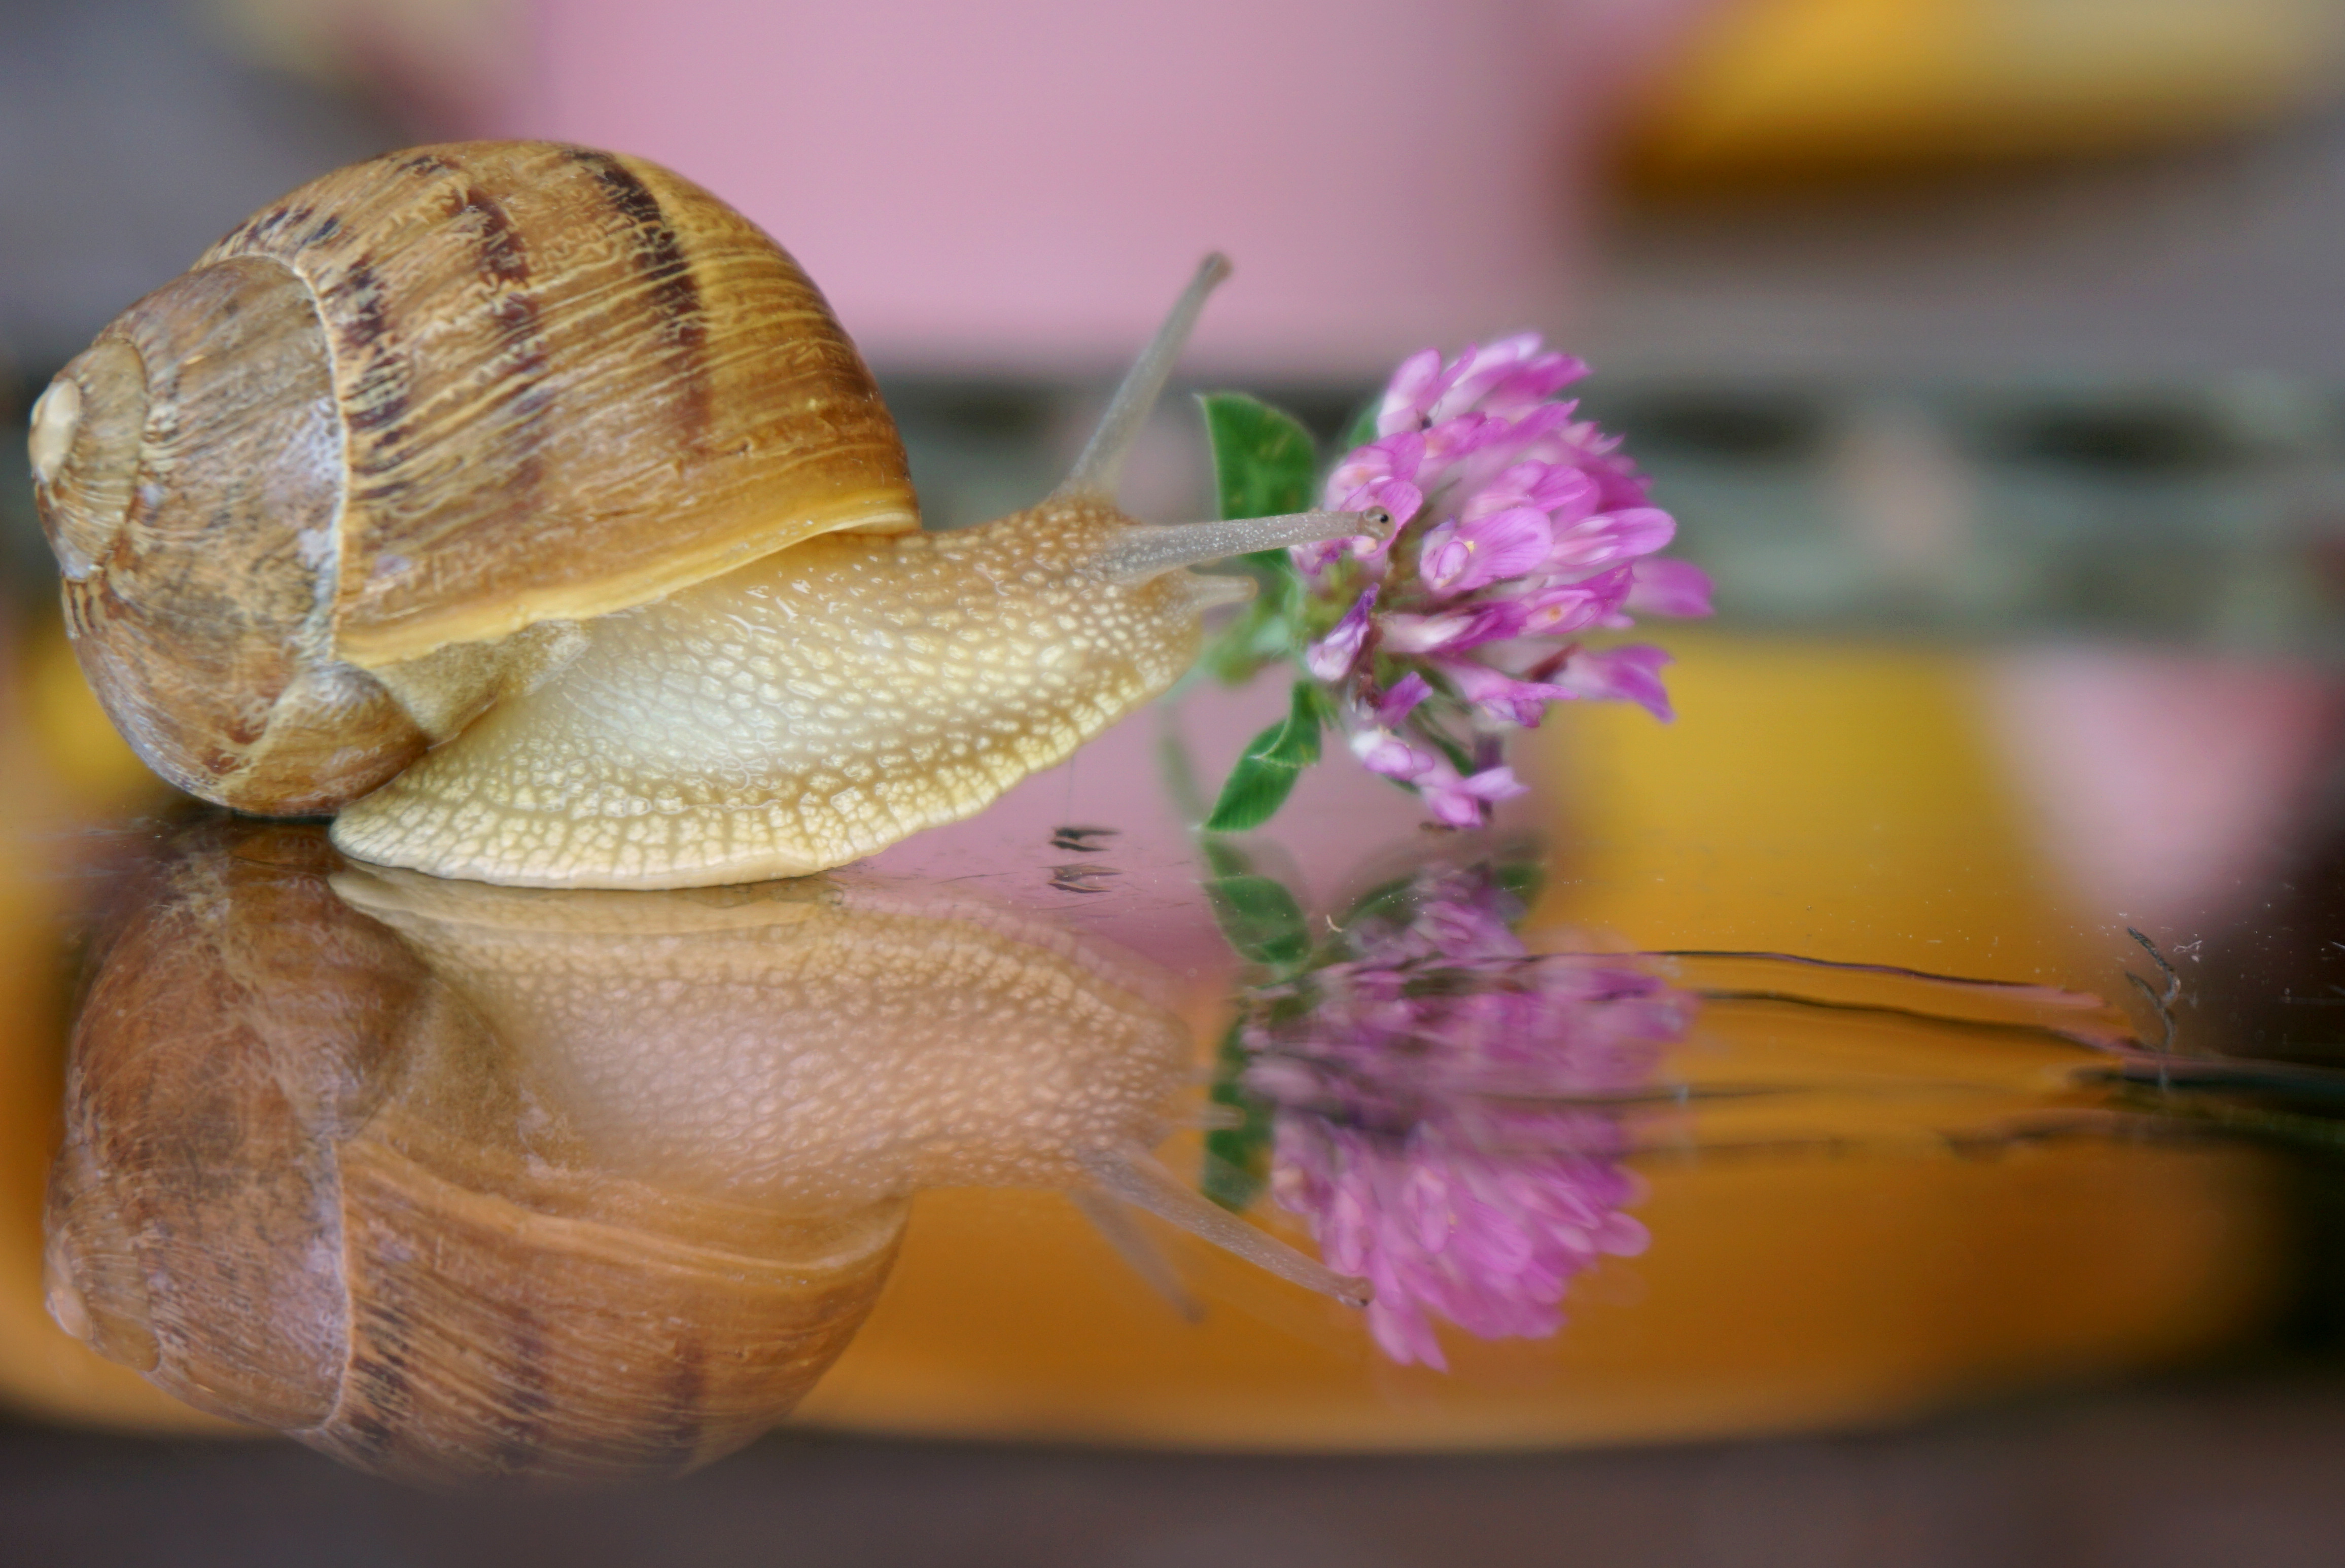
(524, 505)
(456, 1181)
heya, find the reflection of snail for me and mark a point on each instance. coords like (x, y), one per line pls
(567, 1184)
(551, 457)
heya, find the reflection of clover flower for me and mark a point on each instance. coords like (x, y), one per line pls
(1438, 1114)
(1519, 528)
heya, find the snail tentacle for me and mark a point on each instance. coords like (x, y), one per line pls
(1134, 1246)
(1135, 1176)
(1145, 550)
(1101, 462)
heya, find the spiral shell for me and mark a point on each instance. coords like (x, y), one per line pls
(326, 495)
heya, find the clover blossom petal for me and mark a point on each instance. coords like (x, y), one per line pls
(1431, 1118)
(1380, 474)
(1559, 609)
(1511, 389)
(1612, 538)
(1459, 801)
(1564, 494)
(1450, 1233)
(1461, 554)
(1406, 692)
(1409, 396)
(1628, 675)
(1505, 378)
(1382, 751)
(1332, 657)
(1519, 526)
(1677, 588)
(1469, 626)
(1500, 695)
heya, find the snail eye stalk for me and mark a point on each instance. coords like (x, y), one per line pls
(1101, 462)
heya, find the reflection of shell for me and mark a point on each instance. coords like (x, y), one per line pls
(301, 1186)
(824, 1043)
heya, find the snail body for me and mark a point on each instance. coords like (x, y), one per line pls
(453, 1180)
(793, 716)
(530, 430)
(821, 1045)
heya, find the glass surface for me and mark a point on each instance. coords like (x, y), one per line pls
(1984, 987)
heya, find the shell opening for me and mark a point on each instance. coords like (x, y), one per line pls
(62, 1293)
(85, 450)
(55, 418)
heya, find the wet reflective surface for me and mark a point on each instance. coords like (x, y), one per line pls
(1900, 1029)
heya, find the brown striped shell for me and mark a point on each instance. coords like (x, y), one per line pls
(304, 1185)
(323, 497)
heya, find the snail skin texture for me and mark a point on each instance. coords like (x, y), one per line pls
(524, 505)
(458, 1181)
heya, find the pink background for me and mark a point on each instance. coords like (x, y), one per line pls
(1023, 185)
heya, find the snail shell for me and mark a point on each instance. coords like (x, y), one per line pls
(304, 495)
(303, 1185)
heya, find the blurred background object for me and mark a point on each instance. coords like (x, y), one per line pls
(444, 67)
(1007, 191)
(133, 133)
(1786, 89)
(1012, 186)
